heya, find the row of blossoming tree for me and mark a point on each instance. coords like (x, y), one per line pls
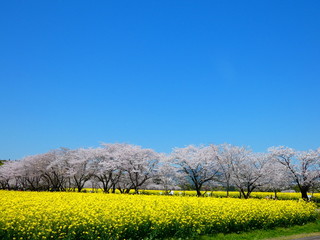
(125, 167)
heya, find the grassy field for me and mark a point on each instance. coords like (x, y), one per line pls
(279, 233)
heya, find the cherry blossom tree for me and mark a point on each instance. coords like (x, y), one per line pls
(52, 169)
(226, 155)
(125, 166)
(138, 166)
(78, 166)
(277, 177)
(166, 174)
(28, 174)
(248, 170)
(196, 165)
(107, 166)
(303, 166)
(8, 174)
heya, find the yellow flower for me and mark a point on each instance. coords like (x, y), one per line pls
(63, 215)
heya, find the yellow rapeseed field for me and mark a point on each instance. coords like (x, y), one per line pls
(68, 215)
(234, 194)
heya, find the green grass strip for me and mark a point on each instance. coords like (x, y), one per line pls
(309, 229)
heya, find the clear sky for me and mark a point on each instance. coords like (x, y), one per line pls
(159, 74)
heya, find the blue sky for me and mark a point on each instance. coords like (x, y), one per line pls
(159, 74)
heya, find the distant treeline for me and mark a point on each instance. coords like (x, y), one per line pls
(126, 167)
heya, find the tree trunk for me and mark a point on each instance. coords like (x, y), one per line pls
(245, 195)
(114, 188)
(198, 193)
(227, 189)
(127, 190)
(304, 193)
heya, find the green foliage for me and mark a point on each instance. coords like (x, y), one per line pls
(298, 231)
(2, 162)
